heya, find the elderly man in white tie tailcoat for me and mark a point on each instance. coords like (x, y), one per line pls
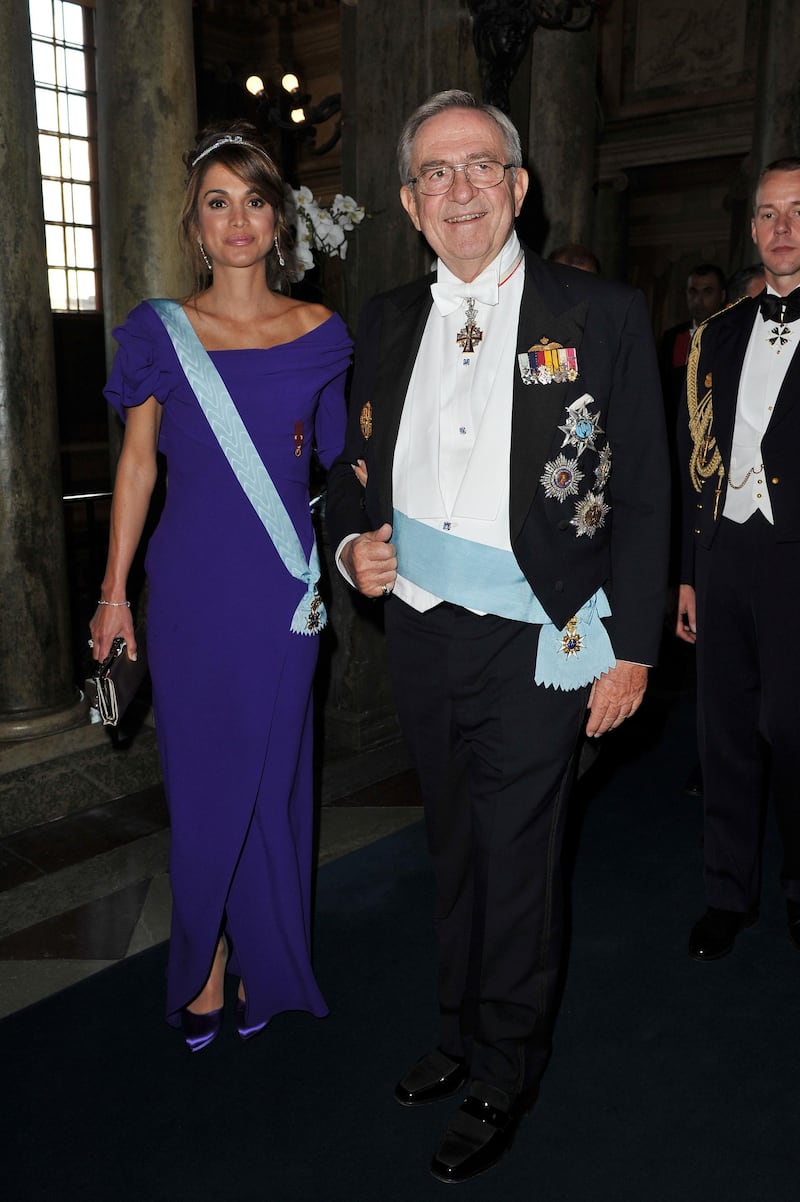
(739, 431)
(506, 415)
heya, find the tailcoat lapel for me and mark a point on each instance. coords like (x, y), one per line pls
(548, 311)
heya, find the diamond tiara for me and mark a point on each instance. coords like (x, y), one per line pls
(228, 139)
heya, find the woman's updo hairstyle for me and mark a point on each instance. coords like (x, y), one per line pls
(238, 146)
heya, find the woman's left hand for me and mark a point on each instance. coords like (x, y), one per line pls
(108, 623)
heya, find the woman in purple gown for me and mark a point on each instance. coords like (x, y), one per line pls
(231, 680)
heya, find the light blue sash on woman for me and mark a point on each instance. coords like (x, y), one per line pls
(237, 446)
(491, 581)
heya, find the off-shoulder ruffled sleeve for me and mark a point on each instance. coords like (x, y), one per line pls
(143, 365)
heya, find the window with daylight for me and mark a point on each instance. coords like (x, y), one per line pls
(62, 33)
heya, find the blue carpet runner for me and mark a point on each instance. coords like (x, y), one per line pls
(670, 1081)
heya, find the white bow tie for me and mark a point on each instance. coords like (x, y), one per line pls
(449, 294)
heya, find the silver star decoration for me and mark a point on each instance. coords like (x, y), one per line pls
(590, 514)
(581, 429)
(561, 478)
(603, 469)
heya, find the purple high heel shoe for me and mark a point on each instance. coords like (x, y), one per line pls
(199, 1030)
(240, 1019)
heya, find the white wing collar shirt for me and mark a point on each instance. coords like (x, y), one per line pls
(769, 353)
(451, 463)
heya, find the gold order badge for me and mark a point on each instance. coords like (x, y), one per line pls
(571, 641)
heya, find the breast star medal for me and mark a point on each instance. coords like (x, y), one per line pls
(603, 469)
(590, 514)
(581, 427)
(560, 478)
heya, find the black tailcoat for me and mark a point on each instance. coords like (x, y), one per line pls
(724, 338)
(747, 581)
(493, 749)
(608, 326)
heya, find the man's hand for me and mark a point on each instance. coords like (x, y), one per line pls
(371, 562)
(686, 628)
(615, 696)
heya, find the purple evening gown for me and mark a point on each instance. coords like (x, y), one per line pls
(231, 684)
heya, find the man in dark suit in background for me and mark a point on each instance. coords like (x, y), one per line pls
(747, 281)
(739, 433)
(575, 255)
(705, 295)
(506, 416)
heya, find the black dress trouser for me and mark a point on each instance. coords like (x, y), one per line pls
(748, 670)
(493, 752)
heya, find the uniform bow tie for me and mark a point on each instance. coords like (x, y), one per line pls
(780, 308)
(449, 294)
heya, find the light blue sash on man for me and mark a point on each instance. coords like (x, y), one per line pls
(491, 581)
(237, 446)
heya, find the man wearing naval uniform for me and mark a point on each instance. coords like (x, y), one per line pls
(507, 419)
(740, 431)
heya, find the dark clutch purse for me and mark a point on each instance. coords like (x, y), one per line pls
(116, 681)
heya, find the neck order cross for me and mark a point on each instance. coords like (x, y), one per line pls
(471, 334)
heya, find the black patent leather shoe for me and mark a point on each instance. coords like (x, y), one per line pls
(715, 934)
(433, 1077)
(479, 1133)
(793, 916)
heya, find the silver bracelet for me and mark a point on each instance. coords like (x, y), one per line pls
(115, 603)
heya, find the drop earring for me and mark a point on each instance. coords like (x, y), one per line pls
(281, 259)
(206, 259)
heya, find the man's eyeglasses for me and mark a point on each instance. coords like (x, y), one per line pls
(482, 173)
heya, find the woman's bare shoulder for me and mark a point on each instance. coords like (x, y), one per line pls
(307, 315)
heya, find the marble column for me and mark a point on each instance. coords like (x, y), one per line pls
(37, 696)
(562, 131)
(777, 103)
(389, 66)
(146, 123)
(610, 225)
